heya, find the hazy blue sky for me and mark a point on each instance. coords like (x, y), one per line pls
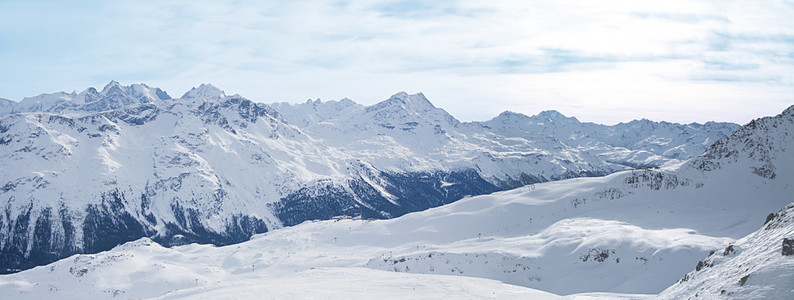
(601, 61)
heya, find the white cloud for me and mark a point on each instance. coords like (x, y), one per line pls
(604, 61)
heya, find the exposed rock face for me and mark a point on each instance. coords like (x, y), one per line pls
(787, 247)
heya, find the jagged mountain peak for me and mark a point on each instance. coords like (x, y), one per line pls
(511, 114)
(344, 102)
(141, 88)
(204, 91)
(553, 116)
(137, 90)
(417, 99)
(411, 102)
(91, 91)
(508, 118)
(397, 109)
(111, 86)
(546, 116)
(315, 111)
(643, 122)
(403, 107)
(755, 146)
(113, 96)
(714, 124)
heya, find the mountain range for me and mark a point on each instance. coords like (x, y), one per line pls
(85, 172)
(719, 224)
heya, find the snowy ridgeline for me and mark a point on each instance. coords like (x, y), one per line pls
(711, 227)
(84, 172)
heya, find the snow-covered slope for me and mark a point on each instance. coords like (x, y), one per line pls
(631, 232)
(758, 266)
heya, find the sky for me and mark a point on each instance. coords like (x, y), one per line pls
(601, 61)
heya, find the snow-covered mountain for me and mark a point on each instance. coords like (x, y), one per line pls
(83, 172)
(639, 143)
(113, 96)
(637, 231)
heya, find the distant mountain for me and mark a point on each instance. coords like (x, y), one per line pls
(204, 91)
(84, 172)
(113, 96)
(639, 143)
(637, 231)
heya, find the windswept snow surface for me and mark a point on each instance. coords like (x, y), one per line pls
(635, 232)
